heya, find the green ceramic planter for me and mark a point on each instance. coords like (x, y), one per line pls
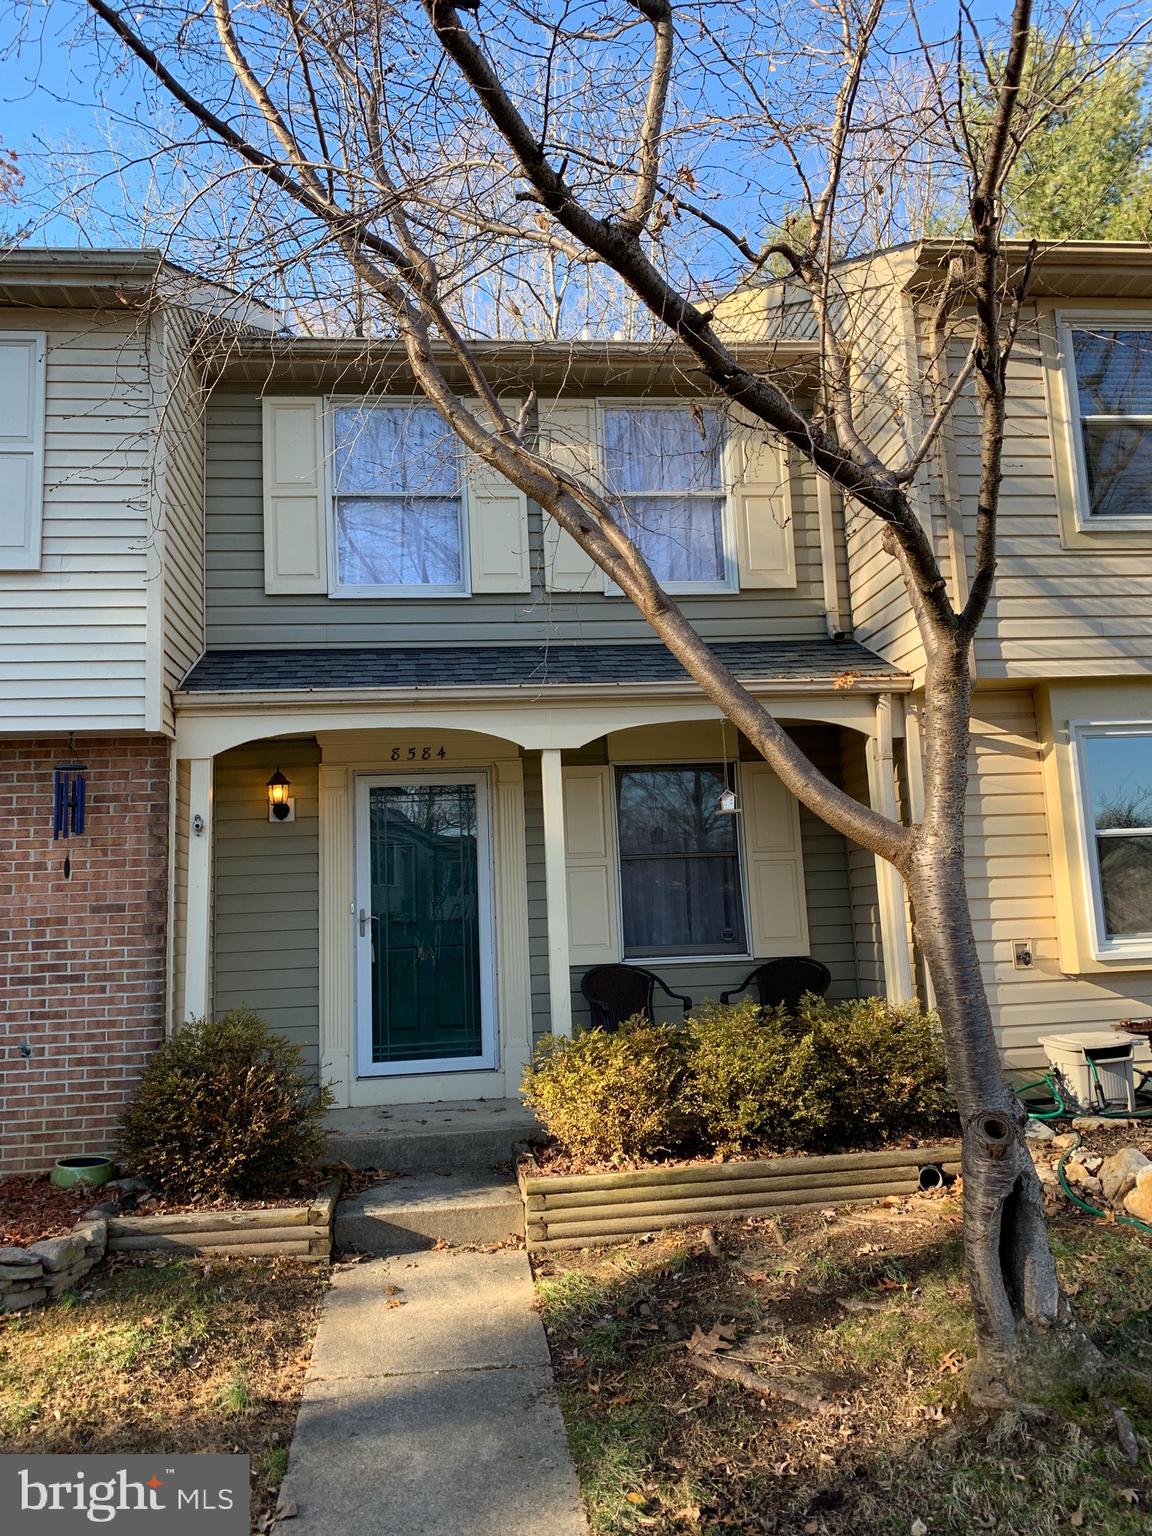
(70, 1171)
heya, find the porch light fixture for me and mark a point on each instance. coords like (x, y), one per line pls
(279, 804)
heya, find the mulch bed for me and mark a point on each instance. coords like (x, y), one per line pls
(31, 1208)
(293, 1192)
(550, 1157)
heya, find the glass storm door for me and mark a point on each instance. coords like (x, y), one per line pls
(424, 926)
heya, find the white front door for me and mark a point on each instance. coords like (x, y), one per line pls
(425, 942)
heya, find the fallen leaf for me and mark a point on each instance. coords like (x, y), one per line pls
(288, 1510)
(1129, 1495)
(952, 1363)
(396, 1301)
(717, 1338)
(635, 1498)
(1076, 1518)
(917, 1528)
(393, 1290)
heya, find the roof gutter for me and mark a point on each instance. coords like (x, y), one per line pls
(204, 701)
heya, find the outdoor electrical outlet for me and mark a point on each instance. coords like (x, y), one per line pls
(1022, 954)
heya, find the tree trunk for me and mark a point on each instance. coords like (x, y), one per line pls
(1029, 1342)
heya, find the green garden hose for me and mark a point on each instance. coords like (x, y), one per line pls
(1060, 1112)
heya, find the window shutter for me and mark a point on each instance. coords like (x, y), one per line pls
(772, 848)
(761, 504)
(295, 495)
(22, 360)
(568, 438)
(590, 847)
(497, 523)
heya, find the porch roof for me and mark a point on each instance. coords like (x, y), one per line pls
(816, 663)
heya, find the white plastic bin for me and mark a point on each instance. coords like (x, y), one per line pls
(1094, 1069)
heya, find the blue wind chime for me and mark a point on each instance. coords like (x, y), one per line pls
(69, 793)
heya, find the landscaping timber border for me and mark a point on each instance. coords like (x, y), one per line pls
(586, 1210)
(302, 1231)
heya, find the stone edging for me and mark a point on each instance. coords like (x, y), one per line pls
(46, 1269)
(300, 1231)
(579, 1210)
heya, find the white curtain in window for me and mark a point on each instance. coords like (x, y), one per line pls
(663, 465)
(398, 542)
(398, 503)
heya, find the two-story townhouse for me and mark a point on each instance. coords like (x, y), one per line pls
(496, 778)
(1060, 826)
(101, 615)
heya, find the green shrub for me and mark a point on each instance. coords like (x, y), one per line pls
(224, 1108)
(611, 1097)
(737, 1076)
(867, 1071)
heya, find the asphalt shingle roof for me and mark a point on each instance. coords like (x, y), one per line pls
(519, 666)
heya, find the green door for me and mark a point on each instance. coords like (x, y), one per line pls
(425, 877)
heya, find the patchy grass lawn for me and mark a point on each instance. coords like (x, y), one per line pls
(182, 1356)
(872, 1305)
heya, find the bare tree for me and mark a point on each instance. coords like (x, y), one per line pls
(416, 142)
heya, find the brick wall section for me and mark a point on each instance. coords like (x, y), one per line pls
(82, 959)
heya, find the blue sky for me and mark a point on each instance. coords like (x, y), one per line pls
(48, 105)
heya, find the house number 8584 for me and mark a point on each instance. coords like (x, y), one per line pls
(417, 754)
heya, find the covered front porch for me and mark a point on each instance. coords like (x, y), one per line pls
(453, 863)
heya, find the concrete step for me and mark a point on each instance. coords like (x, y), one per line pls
(452, 1134)
(408, 1214)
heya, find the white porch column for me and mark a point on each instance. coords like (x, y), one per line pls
(556, 887)
(337, 926)
(197, 1000)
(899, 977)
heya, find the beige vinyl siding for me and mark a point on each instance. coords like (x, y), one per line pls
(266, 952)
(1010, 874)
(1064, 605)
(829, 900)
(240, 613)
(180, 497)
(874, 323)
(73, 635)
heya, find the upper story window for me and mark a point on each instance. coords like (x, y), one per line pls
(399, 500)
(1112, 395)
(1116, 769)
(663, 463)
(680, 885)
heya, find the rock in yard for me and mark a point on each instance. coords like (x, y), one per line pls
(1118, 1173)
(57, 1252)
(1046, 1173)
(14, 1301)
(1091, 1161)
(17, 1256)
(1096, 1123)
(1065, 1140)
(1076, 1173)
(31, 1271)
(1037, 1130)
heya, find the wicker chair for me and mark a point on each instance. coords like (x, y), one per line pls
(618, 992)
(782, 983)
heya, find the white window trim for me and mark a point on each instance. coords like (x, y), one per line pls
(342, 590)
(1104, 947)
(647, 961)
(731, 582)
(1068, 321)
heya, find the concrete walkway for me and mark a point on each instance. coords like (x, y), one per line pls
(434, 1417)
